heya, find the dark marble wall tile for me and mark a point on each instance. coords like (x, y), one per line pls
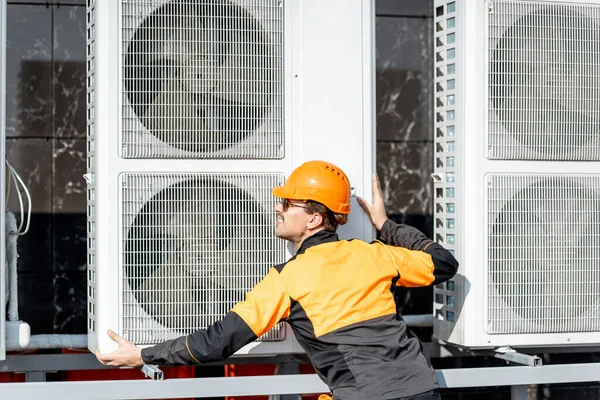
(32, 160)
(69, 159)
(28, 71)
(70, 302)
(404, 79)
(36, 305)
(403, 8)
(404, 170)
(69, 69)
(69, 205)
(69, 242)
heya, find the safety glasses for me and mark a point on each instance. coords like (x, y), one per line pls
(285, 203)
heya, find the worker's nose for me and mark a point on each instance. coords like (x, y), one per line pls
(278, 207)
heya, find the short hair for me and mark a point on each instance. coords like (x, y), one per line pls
(331, 220)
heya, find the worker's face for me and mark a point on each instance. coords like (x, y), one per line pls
(292, 220)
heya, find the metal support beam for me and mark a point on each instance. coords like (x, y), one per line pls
(167, 389)
(509, 354)
(518, 376)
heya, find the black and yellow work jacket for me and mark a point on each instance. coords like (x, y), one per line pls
(336, 295)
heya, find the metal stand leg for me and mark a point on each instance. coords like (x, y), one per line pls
(36, 376)
(152, 372)
(289, 369)
(519, 392)
(509, 354)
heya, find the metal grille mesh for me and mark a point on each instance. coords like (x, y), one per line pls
(193, 245)
(543, 253)
(544, 81)
(202, 79)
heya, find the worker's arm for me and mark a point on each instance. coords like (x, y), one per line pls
(264, 307)
(419, 260)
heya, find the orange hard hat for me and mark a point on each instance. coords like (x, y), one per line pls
(319, 181)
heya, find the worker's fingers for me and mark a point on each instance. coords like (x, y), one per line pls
(99, 357)
(104, 359)
(365, 206)
(377, 197)
(376, 187)
(113, 335)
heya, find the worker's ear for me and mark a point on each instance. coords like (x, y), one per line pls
(315, 221)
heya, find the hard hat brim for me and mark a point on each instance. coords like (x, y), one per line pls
(280, 192)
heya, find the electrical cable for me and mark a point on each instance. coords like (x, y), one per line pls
(17, 179)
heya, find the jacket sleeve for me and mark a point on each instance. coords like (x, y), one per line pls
(265, 305)
(420, 261)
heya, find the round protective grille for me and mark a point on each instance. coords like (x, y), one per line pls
(195, 249)
(543, 257)
(544, 79)
(200, 75)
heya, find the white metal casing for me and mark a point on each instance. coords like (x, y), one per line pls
(328, 114)
(464, 306)
(3, 269)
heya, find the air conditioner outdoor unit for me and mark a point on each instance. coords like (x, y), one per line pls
(517, 171)
(196, 109)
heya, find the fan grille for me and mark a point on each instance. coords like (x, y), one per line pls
(544, 81)
(193, 249)
(202, 79)
(543, 253)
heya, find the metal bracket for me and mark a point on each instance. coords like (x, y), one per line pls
(152, 372)
(510, 354)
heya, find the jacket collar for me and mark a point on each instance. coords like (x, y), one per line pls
(318, 238)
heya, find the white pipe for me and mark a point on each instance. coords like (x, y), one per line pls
(11, 258)
(81, 341)
(18, 337)
(58, 342)
(18, 334)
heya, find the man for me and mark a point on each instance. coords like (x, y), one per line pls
(335, 294)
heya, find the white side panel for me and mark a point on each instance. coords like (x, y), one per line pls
(3, 277)
(334, 76)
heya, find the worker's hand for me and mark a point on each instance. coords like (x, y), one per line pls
(375, 211)
(127, 355)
